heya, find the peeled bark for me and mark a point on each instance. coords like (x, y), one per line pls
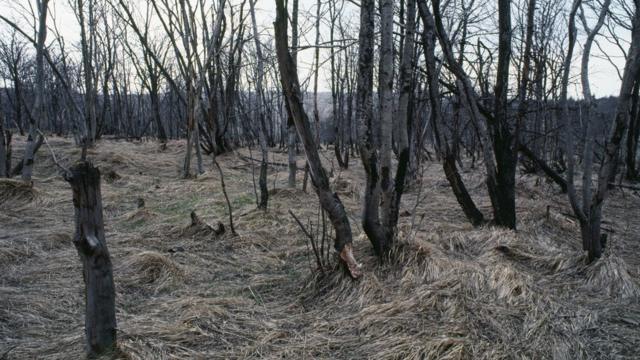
(329, 201)
(90, 242)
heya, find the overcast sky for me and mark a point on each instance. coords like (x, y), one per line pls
(604, 77)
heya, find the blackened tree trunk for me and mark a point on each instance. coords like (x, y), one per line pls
(329, 201)
(90, 242)
(502, 191)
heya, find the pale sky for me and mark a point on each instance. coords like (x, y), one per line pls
(604, 78)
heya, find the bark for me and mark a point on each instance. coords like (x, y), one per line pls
(8, 154)
(393, 194)
(155, 108)
(366, 131)
(316, 114)
(589, 243)
(633, 135)
(291, 127)
(614, 141)
(442, 146)
(526, 71)
(38, 106)
(329, 201)
(337, 92)
(3, 146)
(262, 133)
(569, 147)
(385, 91)
(192, 96)
(552, 174)
(86, 43)
(468, 98)
(502, 189)
(90, 242)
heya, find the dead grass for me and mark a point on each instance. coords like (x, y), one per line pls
(16, 192)
(448, 291)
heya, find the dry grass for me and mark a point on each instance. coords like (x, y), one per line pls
(448, 291)
(14, 192)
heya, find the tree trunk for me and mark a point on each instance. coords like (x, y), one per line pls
(614, 141)
(329, 201)
(385, 91)
(90, 242)
(564, 105)
(442, 146)
(502, 183)
(155, 108)
(86, 43)
(468, 98)
(30, 148)
(366, 131)
(392, 207)
(3, 146)
(591, 244)
(262, 132)
(291, 127)
(633, 135)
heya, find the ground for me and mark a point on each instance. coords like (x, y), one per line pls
(448, 291)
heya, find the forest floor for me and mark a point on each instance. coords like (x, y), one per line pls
(449, 291)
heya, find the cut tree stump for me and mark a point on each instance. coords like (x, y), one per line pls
(89, 240)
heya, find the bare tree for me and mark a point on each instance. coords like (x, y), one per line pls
(330, 201)
(38, 107)
(291, 127)
(262, 132)
(442, 144)
(366, 128)
(383, 192)
(87, 45)
(611, 154)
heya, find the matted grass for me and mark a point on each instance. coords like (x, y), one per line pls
(448, 291)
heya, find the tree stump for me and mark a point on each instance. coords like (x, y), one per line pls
(89, 240)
